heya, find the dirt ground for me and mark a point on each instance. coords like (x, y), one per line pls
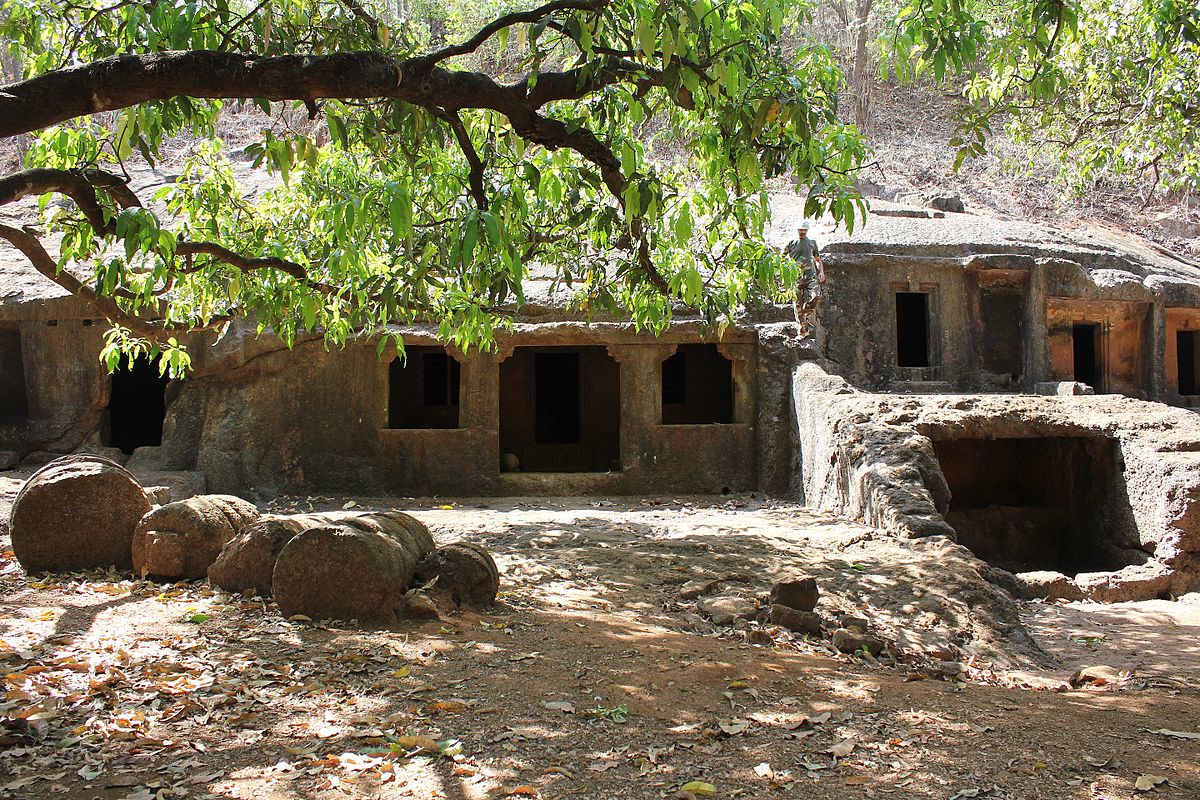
(593, 677)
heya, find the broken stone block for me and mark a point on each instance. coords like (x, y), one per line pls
(181, 540)
(358, 569)
(800, 593)
(1065, 388)
(725, 609)
(1047, 585)
(77, 512)
(852, 622)
(248, 559)
(9, 460)
(852, 641)
(462, 574)
(805, 622)
(948, 202)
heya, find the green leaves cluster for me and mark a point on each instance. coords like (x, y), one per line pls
(1107, 86)
(677, 116)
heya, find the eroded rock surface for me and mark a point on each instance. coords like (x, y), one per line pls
(182, 539)
(77, 512)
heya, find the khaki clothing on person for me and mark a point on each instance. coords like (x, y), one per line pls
(805, 252)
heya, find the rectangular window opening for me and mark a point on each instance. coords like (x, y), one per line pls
(424, 389)
(1185, 354)
(697, 386)
(1086, 341)
(912, 329)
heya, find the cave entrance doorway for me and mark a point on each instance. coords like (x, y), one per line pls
(560, 410)
(137, 405)
(912, 329)
(1185, 355)
(1051, 503)
(1085, 338)
(14, 399)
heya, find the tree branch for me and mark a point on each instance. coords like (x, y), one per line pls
(508, 20)
(476, 163)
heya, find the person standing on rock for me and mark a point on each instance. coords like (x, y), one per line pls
(805, 252)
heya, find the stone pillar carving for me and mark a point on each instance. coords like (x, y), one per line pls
(641, 400)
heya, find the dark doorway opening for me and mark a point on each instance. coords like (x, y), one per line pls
(697, 386)
(424, 389)
(1038, 503)
(556, 398)
(560, 410)
(1086, 339)
(137, 405)
(912, 329)
(14, 400)
(1185, 356)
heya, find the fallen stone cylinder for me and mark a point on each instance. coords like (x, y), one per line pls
(248, 559)
(181, 540)
(462, 573)
(77, 512)
(356, 569)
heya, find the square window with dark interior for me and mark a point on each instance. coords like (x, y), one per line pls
(697, 386)
(423, 389)
(912, 329)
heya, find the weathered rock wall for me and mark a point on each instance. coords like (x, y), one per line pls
(872, 456)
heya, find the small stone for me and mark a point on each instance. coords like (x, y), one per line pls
(693, 589)
(852, 641)
(1100, 675)
(9, 459)
(417, 605)
(797, 621)
(852, 622)
(948, 669)
(799, 593)
(725, 609)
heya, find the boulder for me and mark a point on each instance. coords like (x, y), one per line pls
(725, 609)
(800, 593)
(182, 539)
(359, 568)
(77, 512)
(462, 574)
(948, 202)
(854, 641)
(806, 622)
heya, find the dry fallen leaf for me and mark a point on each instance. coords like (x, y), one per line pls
(842, 749)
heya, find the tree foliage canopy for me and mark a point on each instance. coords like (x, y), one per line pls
(441, 182)
(1106, 85)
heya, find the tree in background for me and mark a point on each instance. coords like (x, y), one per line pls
(462, 150)
(1104, 85)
